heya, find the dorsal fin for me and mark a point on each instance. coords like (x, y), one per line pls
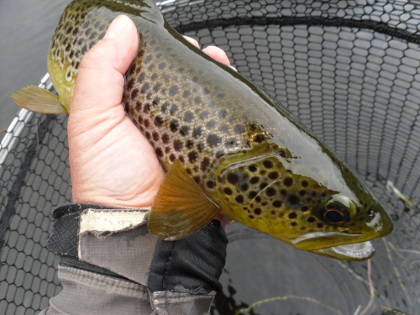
(180, 207)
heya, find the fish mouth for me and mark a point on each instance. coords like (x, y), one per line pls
(357, 251)
(349, 246)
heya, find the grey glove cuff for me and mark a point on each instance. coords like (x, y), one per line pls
(118, 242)
(191, 265)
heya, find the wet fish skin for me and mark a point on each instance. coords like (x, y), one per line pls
(247, 156)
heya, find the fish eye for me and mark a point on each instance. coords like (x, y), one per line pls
(334, 216)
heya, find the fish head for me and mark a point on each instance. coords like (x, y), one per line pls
(348, 225)
(305, 210)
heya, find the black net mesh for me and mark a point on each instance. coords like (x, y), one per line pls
(350, 70)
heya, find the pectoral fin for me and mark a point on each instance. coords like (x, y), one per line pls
(38, 100)
(180, 208)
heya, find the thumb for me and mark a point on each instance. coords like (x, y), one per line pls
(100, 81)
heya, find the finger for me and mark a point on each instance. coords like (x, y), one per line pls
(217, 54)
(192, 41)
(103, 67)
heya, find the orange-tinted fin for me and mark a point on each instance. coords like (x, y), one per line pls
(180, 207)
(38, 100)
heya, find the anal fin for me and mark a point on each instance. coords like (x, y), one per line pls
(180, 207)
(38, 100)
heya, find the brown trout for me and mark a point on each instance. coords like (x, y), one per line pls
(227, 147)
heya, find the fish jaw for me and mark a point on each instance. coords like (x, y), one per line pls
(357, 251)
(349, 246)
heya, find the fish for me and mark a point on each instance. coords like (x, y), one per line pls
(227, 147)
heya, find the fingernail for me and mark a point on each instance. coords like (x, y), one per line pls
(117, 27)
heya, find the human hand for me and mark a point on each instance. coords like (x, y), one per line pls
(111, 162)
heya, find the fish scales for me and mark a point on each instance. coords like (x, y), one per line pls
(227, 147)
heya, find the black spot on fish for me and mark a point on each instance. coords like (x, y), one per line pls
(257, 211)
(204, 115)
(157, 87)
(205, 163)
(145, 87)
(273, 175)
(154, 77)
(147, 59)
(173, 90)
(288, 181)
(283, 192)
(158, 121)
(232, 178)
(142, 77)
(292, 215)
(155, 136)
(196, 179)
(222, 113)
(254, 180)
(134, 94)
(302, 192)
(173, 109)
(259, 138)
(174, 125)
(165, 138)
(293, 199)
(146, 108)
(184, 130)
(213, 140)
(304, 208)
(277, 203)
(252, 168)
(227, 191)
(172, 157)
(211, 124)
(195, 79)
(239, 199)
(197, 132)
(164, 107)
(224, 128)
(252, 194)
(192, 156)
(244, 187)
(155, 101)
(263, 185)
(177, 145)
(189, 144)
(188, 116)
(159, 152)
(146, 123)
(268, 164)
(162, 65)
(197, 100)
(270, 191)
(238, 129)
(230, 143)
(210, 184)
(130, 84)
(200, 147)
(186, 94)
